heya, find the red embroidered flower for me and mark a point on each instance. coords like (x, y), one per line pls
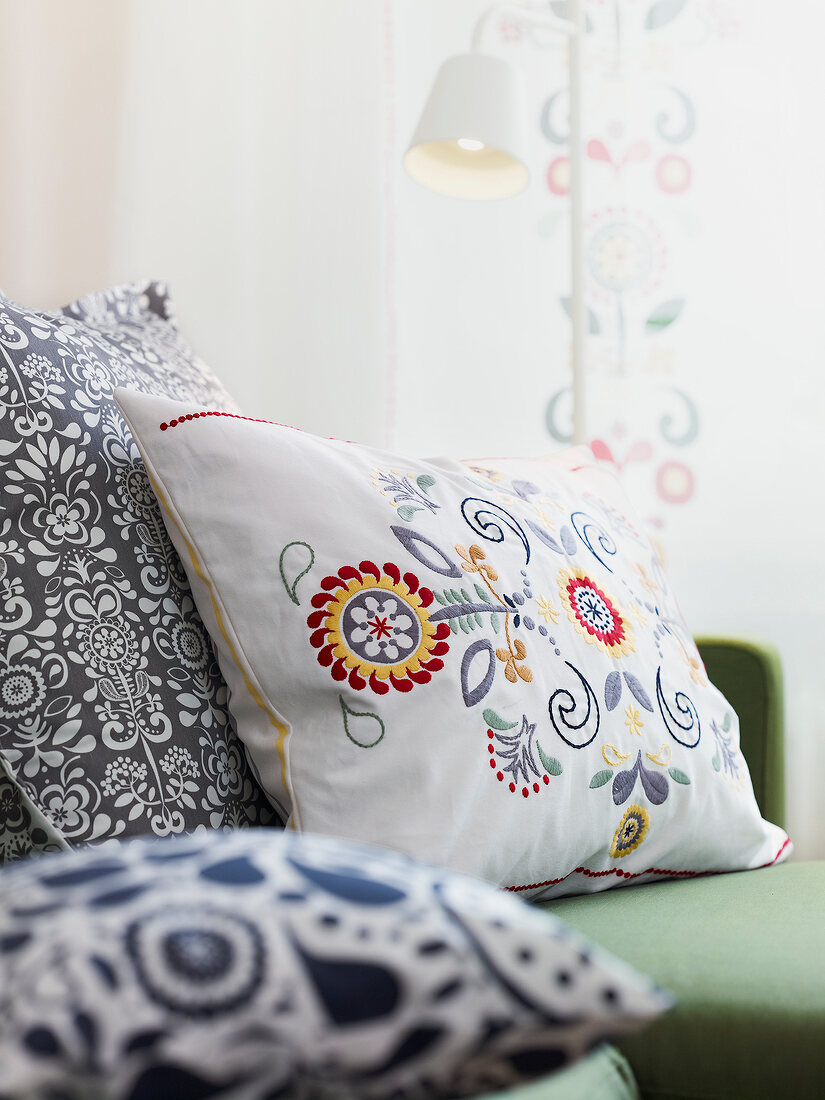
(374, 627)
(594, 614)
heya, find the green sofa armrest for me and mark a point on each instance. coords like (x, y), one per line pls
(749, 674)
(602, 1075)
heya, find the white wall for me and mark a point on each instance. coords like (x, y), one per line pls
(60, 109)
(251, 178)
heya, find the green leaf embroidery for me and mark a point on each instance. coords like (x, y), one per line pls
(291, 587)
(664, 315)
(550, 764)
(462, 622)
(407, 511)
(496, 722)
(365, 729)
(455, 596)
(425, 482)
(478, 618)
(441, 599)
(495, 622)
(600, 778)
(717, 761)
(726, 724)
(678, 777)
(453, 626)
(482, 595)
(465, 595)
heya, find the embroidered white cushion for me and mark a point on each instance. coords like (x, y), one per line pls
(481, 665)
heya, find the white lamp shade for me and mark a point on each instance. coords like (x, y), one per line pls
(475, 99)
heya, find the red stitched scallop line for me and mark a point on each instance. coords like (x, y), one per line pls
(235, 416)
(619, 873)
(176, 423)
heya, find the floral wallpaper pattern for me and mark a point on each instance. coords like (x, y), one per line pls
(641, 132)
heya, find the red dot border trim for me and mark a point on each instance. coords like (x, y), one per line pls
(619, 873)
(180, 420)
(176, 423)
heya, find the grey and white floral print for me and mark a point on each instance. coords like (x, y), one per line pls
(113, 714)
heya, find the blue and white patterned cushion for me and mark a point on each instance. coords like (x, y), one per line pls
(262, 964)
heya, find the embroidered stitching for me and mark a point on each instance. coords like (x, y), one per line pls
(291, 588)
(634, 722)
(619, 873)
(474, 561)
(663, 756)
(618, 757)
(347, 713)
(374, 628)
(513, 755)
(215, 412)
(632, 830)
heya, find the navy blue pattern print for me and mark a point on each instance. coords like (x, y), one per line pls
(269, 963)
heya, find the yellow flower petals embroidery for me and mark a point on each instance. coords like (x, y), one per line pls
(646, 580)
(543, 518)
(633, 721)
(546, 609)
(631, 832)
(696, 670)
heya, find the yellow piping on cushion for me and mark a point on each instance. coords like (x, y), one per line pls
(281, 729)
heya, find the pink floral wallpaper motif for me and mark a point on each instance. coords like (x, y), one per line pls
(641, 59)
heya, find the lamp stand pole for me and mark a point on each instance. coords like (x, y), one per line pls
(573, 28)
(578, 311)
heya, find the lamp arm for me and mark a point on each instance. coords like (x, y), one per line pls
(526, 16)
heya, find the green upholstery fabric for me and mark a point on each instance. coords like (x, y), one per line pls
(749, 675)
(743, 955)
(604, 1075)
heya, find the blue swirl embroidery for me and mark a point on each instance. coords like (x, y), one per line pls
(501, 518)
(685, 708)
(564, 706)
(584, 524)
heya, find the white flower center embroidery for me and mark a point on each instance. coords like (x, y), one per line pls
(381, 628)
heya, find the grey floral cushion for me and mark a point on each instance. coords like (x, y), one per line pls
(112, 709)
(268, 964)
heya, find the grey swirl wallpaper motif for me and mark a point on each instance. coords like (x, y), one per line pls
(113, 715)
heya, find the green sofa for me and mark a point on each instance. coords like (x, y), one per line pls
(742, 953)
